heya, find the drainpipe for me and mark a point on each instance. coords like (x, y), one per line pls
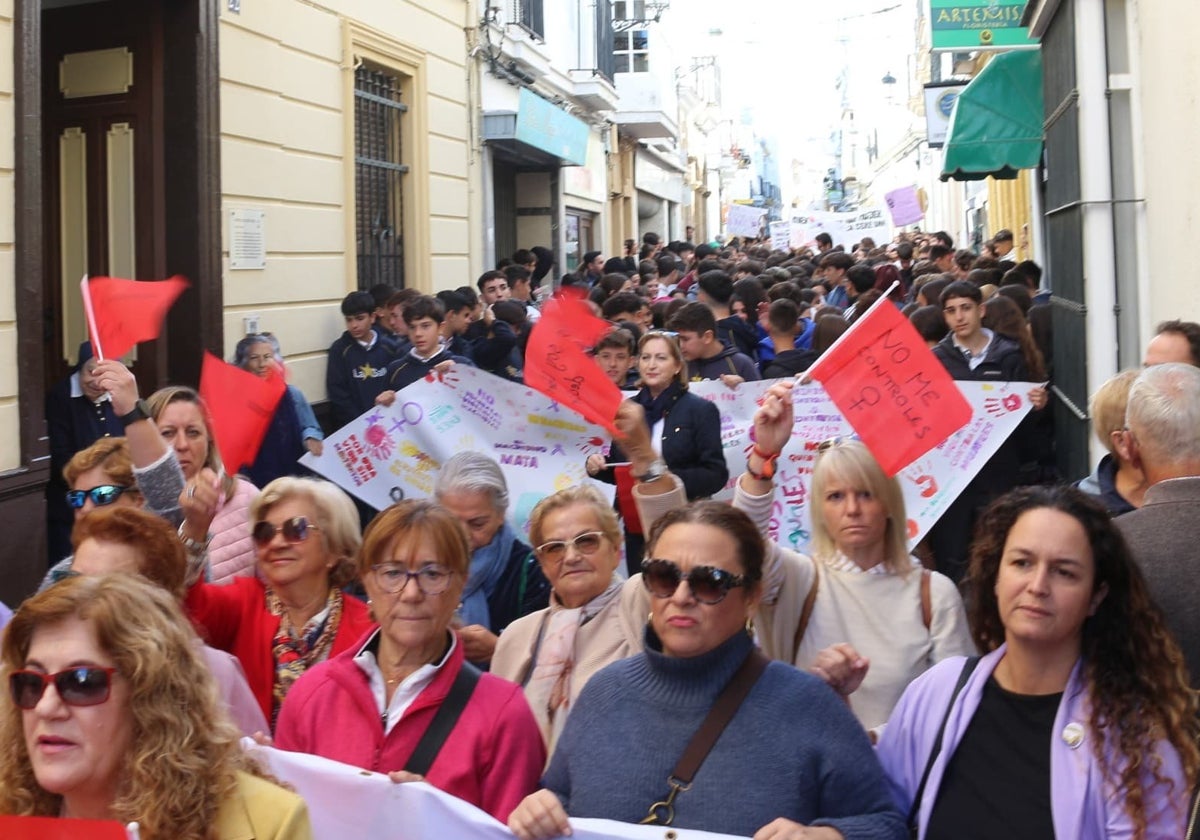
(1096, 194)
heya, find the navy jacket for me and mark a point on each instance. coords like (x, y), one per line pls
(355, 376)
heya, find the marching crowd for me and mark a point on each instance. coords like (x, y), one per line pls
(1027, 670)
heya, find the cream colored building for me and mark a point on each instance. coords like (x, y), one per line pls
(277, 153)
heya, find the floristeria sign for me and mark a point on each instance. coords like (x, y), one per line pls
(978, 24)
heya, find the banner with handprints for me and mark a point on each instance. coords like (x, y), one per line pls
(929, 484)
(393, 453)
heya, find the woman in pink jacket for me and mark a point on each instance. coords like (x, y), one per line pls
(410, 673)
(182, 420)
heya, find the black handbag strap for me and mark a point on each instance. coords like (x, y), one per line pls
(443, 721)
(714, 723)
(967, 668)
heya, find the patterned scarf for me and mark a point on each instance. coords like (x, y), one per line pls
(295, 651)
(549, 688)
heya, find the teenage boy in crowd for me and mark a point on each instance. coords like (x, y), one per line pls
(459, 314)
(972, 352)
(356, 368)
(716, 291)
(616, 354)
(423, 316)
(706, 356)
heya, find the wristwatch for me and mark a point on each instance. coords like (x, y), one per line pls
(656, 470)
(193, 547)
(140, 411)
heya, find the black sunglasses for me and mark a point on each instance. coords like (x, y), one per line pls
(83, 686)
(709, 585)
(295, 530)
(103, 495)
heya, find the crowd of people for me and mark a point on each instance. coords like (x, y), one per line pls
(1028, 670)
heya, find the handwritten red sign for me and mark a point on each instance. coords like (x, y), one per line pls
(891, 388)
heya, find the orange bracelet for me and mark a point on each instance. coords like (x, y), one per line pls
(768, 470)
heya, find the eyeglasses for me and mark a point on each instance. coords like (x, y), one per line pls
(709, 585)
(105, 494)
(431, 580)
(833, 442)
(295, 530)
(556, 550)
(674, 336)
(83, 686)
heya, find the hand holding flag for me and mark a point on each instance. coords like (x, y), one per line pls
(890, 387)
(122, 313)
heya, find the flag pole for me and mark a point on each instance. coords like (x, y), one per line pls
(91, 317)
(806, 377)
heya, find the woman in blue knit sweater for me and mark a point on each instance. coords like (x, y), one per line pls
(792, 762)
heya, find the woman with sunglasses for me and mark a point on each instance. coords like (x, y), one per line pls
(294, 614)
(1080, 710)
(685, 431)
(214, 503)
(861, 609)
(791, 761)
(111, 714)
(414, 563)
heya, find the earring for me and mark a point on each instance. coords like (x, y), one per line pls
(371, 611)
(750, 626)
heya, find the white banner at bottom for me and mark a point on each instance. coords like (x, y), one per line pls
(345, 801)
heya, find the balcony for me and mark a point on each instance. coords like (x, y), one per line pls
(593, 91)
(648, 106)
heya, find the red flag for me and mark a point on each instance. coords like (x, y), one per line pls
(625, 501)
(557, 365)
(53, 828)
(892, 389)
(240, 407)
(122, 313)
(570, 308)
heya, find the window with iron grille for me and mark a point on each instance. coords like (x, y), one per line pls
(528, 13)
(379, 171)
(605, 60)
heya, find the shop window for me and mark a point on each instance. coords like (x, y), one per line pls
(379, 170)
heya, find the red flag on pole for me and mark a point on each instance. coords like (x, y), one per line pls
(240, 407)
(557, 365)
(891, 388)
(122, 313)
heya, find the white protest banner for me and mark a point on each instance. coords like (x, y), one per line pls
(845, 229)
(349, 802)
(393, 453)
(781, 234)
(929, 484)
(744, 220)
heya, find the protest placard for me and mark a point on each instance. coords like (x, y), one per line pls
(781, 235)
(905, 206)
(744, 220)
(349, 802)
(890, 386)
(929, 484)
(388, 454)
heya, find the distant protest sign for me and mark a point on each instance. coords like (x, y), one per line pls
(905, 206)
(929, 484)
(744, 220)
(393, 453)
(781, 233)
(845, 229)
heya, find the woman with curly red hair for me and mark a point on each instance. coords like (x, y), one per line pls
(1078, 722)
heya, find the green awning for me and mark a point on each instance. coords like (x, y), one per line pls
(996, 126)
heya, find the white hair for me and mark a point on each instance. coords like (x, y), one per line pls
(1164, 413)
(472, 472)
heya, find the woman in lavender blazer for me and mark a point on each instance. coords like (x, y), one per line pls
(1078, 722)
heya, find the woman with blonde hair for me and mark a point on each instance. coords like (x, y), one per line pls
(1116, 482)
(111, 714)
(183, 421)
(293, 614)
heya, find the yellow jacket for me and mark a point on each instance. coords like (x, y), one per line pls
(260, 810)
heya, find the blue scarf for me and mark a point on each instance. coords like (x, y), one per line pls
(488, 565)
